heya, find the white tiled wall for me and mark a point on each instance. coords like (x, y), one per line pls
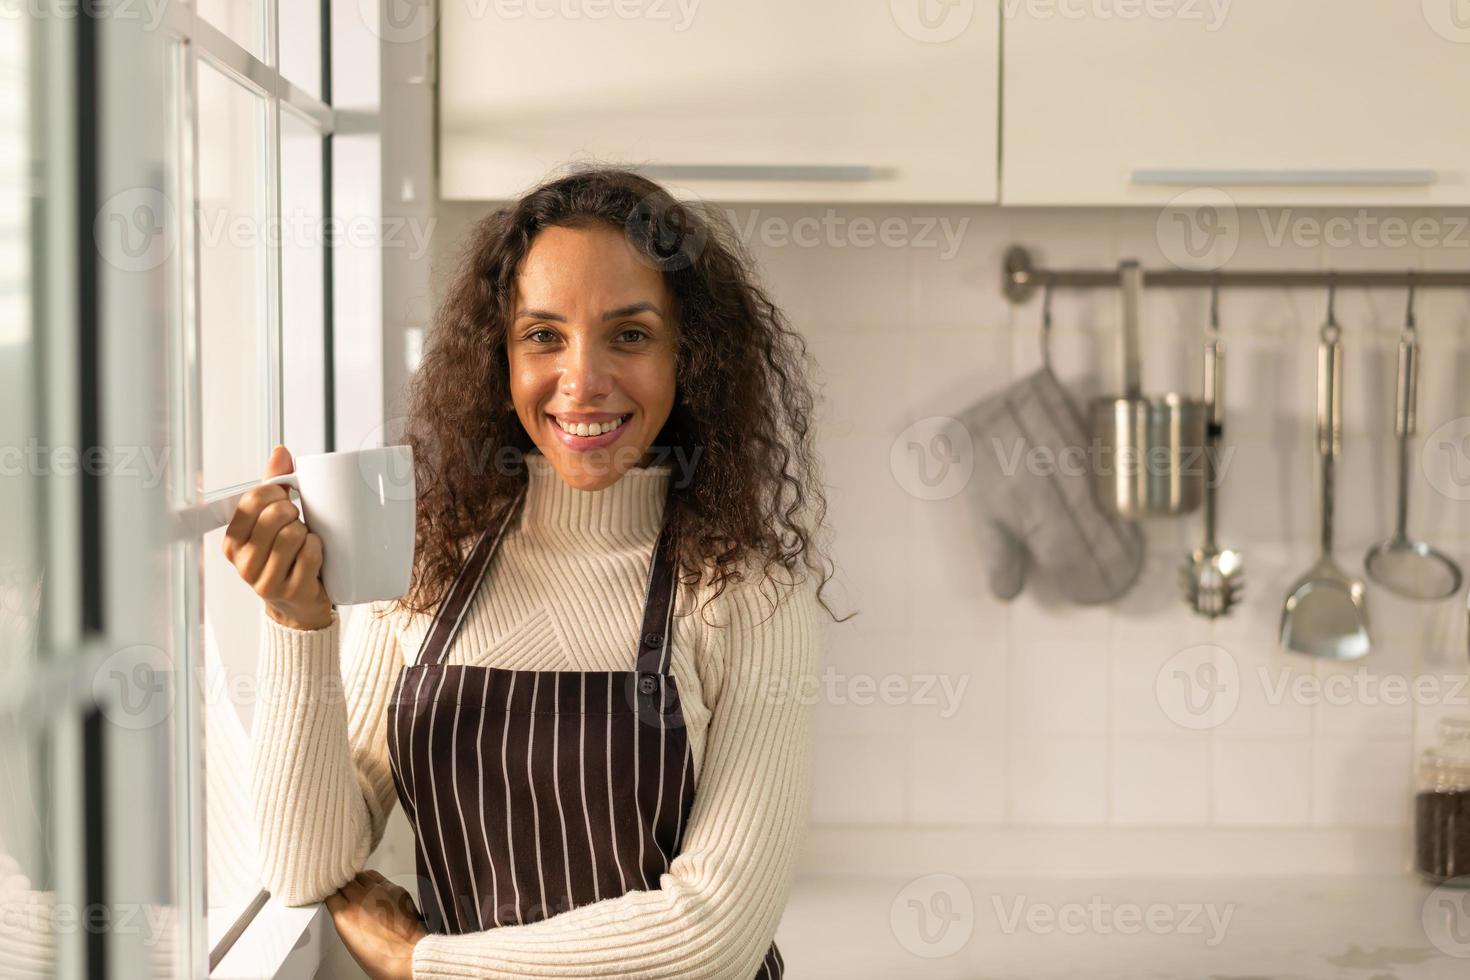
(1057, 721)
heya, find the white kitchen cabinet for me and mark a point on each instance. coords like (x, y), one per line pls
(733, 100)
(1325, 102)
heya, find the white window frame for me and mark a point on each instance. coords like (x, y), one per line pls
(276, 932)
(111, 118)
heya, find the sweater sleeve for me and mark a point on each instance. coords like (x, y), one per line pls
(715, 911)
(322, 783)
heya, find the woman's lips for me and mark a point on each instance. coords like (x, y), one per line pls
(584, 443)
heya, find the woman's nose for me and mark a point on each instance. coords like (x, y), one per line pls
(585, 375)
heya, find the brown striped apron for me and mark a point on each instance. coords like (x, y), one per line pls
(533, 792)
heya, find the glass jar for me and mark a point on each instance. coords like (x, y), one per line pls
(1442, 807)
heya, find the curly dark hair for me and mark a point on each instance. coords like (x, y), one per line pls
(743, 402)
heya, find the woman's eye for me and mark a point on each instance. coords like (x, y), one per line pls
(546, 335)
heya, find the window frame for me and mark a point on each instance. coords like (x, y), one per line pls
(192, 40)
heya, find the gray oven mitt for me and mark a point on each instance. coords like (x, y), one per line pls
(1032, 514)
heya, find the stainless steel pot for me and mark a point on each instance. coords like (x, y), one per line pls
(1148, 450)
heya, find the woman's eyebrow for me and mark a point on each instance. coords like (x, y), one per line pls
(540, 315)
(631, 308)
(643, 306)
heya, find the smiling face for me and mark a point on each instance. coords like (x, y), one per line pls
(592, 351)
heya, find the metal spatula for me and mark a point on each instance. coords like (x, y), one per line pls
(1326, 614)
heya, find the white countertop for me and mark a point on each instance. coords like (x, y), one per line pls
(1370, 927)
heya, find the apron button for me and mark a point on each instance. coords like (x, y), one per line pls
(647, 684)
(653, 639)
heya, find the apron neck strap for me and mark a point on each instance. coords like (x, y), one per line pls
(451, 612)
(658, 605)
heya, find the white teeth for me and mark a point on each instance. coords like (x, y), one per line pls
(590, 428)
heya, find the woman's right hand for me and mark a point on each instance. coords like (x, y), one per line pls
(276, 555)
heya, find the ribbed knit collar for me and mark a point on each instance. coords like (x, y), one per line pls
(628, 512)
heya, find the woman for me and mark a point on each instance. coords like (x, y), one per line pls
(611, 428)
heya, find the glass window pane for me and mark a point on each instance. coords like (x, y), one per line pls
(303, 288)
(242, 20)
(301, 44)
(20, 569)
(231, 634)
(233, 299)
(27, 898)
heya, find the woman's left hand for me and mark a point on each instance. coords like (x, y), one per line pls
(379, 924)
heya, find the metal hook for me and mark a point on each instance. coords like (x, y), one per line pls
(1046, 323)
(1215, 302)
(1330, 329)
(1409, 323)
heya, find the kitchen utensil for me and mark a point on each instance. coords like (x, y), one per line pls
(1411, 568)
(1035, 510)
(1148, 445)
(1213, 579)
(1326, 614)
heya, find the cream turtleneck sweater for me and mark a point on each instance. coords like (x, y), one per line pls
(565, 593)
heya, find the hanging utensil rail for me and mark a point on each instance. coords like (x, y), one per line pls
(1021, 278)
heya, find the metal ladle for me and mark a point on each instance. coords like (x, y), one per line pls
(1402, 565)
(1213, 579)
(1326, 613)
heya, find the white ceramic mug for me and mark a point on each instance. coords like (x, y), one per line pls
(361, 504)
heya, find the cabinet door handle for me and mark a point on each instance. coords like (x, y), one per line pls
(1407, 177)
(762, 171)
